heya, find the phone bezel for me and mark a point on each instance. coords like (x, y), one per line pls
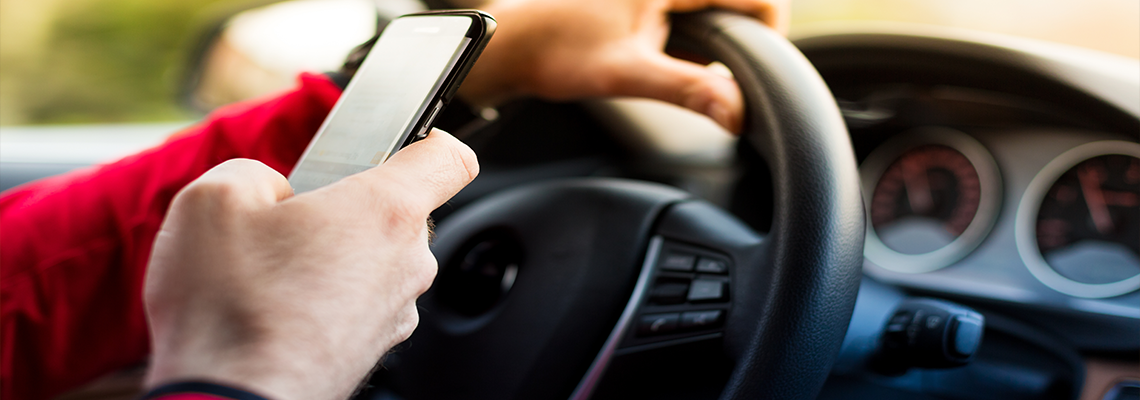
(482, 27)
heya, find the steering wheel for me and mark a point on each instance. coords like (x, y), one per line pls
(542, 287)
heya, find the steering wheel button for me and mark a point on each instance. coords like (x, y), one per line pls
(657, 324)
(712, 266)
(669, 292)
(902, 317)
(700, 319)
(706, 290)
(678, 262)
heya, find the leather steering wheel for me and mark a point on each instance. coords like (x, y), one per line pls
(542, 286)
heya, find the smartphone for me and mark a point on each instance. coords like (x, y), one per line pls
(409, 76)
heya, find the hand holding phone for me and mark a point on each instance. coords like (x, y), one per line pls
(408, 77)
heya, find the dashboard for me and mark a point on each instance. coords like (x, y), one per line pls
(986, 164)
(997, 171)
(971, 149)
(1004, 175)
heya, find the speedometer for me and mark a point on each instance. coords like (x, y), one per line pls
(1079, 222)
(933, 195)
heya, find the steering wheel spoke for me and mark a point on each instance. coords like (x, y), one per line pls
(685, 291)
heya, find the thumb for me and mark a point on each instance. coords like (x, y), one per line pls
(426, 173)
(690, 85)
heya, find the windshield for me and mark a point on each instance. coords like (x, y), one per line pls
(120, 61)
(1111, 26)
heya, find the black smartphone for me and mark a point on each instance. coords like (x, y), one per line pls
(409, 76)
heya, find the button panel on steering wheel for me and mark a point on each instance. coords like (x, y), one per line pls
(688, 296)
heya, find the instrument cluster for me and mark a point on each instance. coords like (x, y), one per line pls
(935, 194)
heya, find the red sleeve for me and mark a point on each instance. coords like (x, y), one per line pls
(74, 248)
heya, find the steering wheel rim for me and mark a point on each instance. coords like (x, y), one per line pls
(575, 247)
(816, 241)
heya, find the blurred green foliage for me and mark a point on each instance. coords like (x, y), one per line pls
(105, 61)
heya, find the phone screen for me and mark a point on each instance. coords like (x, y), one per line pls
(390, 91)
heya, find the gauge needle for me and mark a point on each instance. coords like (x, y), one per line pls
(1094, 197)
(917, 187)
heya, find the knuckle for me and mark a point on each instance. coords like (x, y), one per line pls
(465, 159)
(409, 322)
(402, 213)
(696, 95)
(610, 76)
(607, 84)
(424, 274)
(210, 193)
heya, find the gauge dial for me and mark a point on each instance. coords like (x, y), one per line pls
(1088, 226)
(1078, 225)
(932, 196)
(925, 199)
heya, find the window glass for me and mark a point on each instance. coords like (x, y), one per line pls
(1111, 26)
(114, 61)
(69, 61)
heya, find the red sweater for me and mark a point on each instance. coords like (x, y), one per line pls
(74, 247)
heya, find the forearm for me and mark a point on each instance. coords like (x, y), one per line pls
(74, 247)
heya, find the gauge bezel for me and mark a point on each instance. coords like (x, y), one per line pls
(1026, 225)
(989, 202)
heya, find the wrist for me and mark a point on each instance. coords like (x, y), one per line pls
(269, 367)
(230, 370)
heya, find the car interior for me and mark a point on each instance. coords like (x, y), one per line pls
(911, 212)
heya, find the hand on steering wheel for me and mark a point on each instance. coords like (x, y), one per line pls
(567, 50)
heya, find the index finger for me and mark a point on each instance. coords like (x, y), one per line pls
(238, 182)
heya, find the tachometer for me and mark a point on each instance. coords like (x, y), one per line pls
(925, 199)
(1081, 231)
(933, 196)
